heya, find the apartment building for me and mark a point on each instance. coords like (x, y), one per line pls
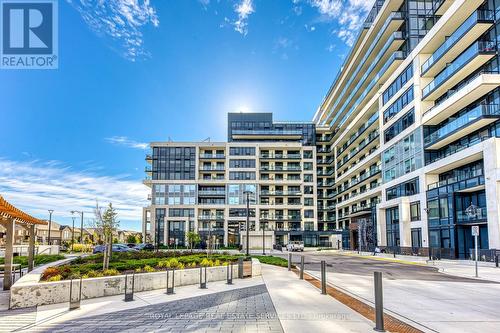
(408, 134)
(205, 187)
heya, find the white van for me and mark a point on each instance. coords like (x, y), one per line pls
(295, 246)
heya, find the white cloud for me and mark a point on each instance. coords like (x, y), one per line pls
(36, 186)
(349, 14)
(124, 141)
(122, 20)
(244, 9)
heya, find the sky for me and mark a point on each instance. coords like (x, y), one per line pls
(135, 71)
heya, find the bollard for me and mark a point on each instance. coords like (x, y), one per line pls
(203, 284)
(379, 302)
(323, 277)
(302, 267)
(170, 290)
(240, 268)
(496, 260)
(289, 261)
(230, 273)
(74, 304)
(129, 296)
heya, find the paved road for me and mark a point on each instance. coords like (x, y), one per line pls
(343, 264)
(241, 310)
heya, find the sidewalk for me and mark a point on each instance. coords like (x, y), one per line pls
(302, 308)
(463, 268)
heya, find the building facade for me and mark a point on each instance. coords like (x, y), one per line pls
(204, 186)
(408, 135)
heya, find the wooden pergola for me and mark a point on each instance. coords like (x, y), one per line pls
(9, 217)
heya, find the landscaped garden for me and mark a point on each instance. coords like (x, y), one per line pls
(40, 259)
(145, 262)
(140, 262)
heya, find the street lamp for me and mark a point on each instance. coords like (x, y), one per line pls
(248, 220)
(81, 225)
(73, 234)
(263, 239)
(50, 223)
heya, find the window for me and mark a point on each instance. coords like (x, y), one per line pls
(241, 175)
(242, 151)
(308, 202)
(400, 125)
(308, 154)
(173, 163)
(415, 211)
(416, 237)
(392, 226)
(433, 209)
(236, 193)
(308, 190)
(308, 166)
(405, 99)
(308, 213)
(242, 163)
(400, 81)
(402, 190)
(308, 178)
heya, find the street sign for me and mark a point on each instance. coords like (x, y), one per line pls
(475, 230)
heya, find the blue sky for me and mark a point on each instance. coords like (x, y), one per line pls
(132, 71)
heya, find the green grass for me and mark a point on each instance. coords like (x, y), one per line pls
(270, 260)
(133, 261)
(41, 259)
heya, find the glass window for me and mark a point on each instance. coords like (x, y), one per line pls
(415, 211)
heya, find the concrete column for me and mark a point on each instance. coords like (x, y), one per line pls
(9, 225)
(491, 156)
(404, 223)
(31, 248)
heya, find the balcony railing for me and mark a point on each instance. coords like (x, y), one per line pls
(211, 217)
(279, 169)
(212, 156)
(356, 135)
(212, 168)
(210, 192)
(279, 193)
(456, 148)
(281, 156)
(463, 217)
(324, 150)
(480, 111)
(479, 47)
(471, 179)
(477, 16)
(374, 135)
(359, 179)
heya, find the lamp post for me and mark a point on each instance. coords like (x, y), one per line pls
(73, 234)
(81, 225)
(426, 210)
(248, 222)
(50, 224)
(263, 239)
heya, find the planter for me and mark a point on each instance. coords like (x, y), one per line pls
(29, 291)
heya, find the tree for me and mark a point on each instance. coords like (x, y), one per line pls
(132, 239)
(106, 224)
(193, 238)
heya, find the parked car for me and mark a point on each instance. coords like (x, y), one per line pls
(114, 248)
(145, 247)
(295, 246)
(131, 245)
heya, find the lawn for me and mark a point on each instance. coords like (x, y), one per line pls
(270, 260)
(40, 259)
(127, 262)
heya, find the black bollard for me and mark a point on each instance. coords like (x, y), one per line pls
(289, 261)
(496, 260)
(170, 290)
(323, 277)
(129, 294)
(203, 284)
(302, 267)
(379, 302)
(230, 273)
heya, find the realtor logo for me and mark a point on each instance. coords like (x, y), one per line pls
(28, 34)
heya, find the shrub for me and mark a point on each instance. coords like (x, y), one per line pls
(55, 278)
(173, 263)
(92, 274)
(148, 269)
(217, 262)
(85, 248)
(51, 272)
(110, 272)
(206, 263)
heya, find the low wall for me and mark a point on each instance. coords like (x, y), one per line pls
(28, 291)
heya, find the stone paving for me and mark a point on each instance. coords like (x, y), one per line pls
(247, 309)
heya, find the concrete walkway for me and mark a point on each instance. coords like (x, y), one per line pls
(302, 308)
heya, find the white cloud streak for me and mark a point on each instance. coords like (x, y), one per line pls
(36, 186)
(122, 20)
(243, 9)
(349, 14)
(124, 141)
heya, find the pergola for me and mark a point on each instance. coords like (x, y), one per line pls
(9, 217)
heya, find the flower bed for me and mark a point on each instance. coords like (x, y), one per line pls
(140, 262)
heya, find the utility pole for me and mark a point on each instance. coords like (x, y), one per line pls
(50, 224)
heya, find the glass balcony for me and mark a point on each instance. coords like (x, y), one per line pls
(212, 168)
(453, 130)
(281, 169)
(455, 148)
(463, 182)
(479, 16)
(394, 16)
(356, 135)
(280, 156)
(212, 192)
(212, 156)
(477, 49)
(463, 217)
(373, 136)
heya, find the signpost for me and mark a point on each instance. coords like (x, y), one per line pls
(475, 233)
